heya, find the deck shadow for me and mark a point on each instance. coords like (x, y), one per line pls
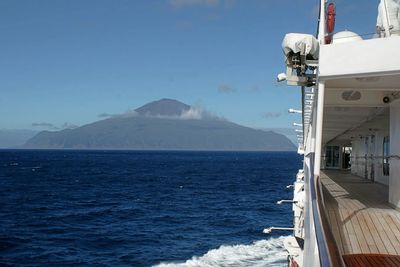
(361, 219)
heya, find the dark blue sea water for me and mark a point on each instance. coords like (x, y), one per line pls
(125, 208)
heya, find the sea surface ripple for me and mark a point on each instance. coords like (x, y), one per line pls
(132, 208)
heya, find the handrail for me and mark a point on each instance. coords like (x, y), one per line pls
(329, 255)
(330, 244)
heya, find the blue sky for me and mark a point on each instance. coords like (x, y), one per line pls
(69, 61)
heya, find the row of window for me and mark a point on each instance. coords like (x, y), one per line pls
(386, 155)
(332, 156)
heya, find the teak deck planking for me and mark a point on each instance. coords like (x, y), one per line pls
(361, 220)
(372, 260)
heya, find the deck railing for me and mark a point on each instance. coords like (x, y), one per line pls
(329, 255)
(328, 251)
(330, 244)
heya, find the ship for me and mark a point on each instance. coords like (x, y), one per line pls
(346, 198)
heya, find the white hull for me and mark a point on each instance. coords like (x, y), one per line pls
(351, 125)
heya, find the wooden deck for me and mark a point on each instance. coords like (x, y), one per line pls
(371, 260)
(362, 222)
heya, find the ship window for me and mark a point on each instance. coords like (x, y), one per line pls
(386, 155)
(332, 157)
(346, 157)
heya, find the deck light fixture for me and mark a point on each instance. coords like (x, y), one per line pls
(291, 110)
(270, 229)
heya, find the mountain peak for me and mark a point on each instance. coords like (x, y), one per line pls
(166, 124)
(163, 107)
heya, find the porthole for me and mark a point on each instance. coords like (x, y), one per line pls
(351, 95)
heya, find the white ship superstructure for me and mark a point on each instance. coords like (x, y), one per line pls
(347, 197)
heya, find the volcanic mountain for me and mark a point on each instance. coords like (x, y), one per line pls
(165, 124)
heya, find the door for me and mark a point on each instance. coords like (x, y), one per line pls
(332, 156)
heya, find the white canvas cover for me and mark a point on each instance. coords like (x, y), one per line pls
(393, 16)
(293, 42)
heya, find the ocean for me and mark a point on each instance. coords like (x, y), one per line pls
(133, 208)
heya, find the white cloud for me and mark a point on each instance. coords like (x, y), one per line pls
(192, 114)
(130, 113)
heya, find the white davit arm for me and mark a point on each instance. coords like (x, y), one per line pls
(379, 24)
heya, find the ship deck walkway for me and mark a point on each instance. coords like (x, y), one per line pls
(362, 221)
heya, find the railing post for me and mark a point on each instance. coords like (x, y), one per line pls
(318, 130)
(322, 23)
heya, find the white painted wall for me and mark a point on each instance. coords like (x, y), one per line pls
(394, 179)
(333, 56)
(358, 157)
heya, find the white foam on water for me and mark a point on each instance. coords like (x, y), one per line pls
(268, 252)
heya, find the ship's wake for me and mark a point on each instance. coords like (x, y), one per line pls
(261, 253)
